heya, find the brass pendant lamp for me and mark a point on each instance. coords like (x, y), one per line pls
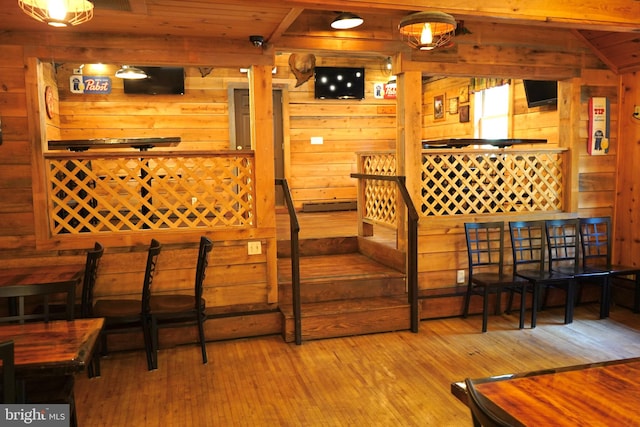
(58, 13)
(427, 30)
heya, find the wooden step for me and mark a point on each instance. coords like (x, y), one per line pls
(337, 277)
(347, 317)
(342, 295)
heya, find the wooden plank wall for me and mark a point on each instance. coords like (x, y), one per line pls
(321, 173)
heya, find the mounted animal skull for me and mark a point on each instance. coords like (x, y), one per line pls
(302, 66)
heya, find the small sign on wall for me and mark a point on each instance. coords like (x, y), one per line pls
(384, 90)
(598, 143)
(90, 84)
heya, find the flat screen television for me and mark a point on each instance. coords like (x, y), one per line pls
(159, 81)
(540, 92)
(339, 83)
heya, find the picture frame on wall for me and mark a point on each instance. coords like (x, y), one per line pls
(464, 114)
(453, 105)
(438, 107)
(463, 94)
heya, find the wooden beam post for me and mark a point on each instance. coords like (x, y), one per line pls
(409, 141)
(261, 117)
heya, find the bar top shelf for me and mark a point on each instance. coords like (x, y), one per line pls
(464, 142)
(141, 144)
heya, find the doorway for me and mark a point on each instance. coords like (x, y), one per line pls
(242, 130)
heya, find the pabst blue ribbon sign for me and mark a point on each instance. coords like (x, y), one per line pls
(90, 84)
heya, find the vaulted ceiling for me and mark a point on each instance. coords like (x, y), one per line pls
(610, 29)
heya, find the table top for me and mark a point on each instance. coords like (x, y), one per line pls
(592, 394)
(43, 275)
(52, 348)
(137, 143)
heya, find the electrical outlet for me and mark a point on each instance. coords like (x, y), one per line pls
(636, 110)
(254, 248)
(460, 277)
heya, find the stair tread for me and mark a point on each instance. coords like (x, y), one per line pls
(343, 266)
(346, 306)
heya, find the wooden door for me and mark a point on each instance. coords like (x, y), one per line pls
(243, 131)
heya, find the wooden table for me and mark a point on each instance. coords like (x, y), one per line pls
(597, 394)
(52, 348)
(16, 283)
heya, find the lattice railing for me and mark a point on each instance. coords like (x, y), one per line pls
(484, 182)
(380, 197)
(115, 192)
(462, 182)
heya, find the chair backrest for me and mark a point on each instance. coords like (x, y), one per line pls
(8, 372)
(480, 413)
(206, 245)
(528, 244)
(152, 260)
(596, 241)
(485, 246)
(90, 276)
(563, 242)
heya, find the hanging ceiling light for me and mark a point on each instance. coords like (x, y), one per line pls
(58, 13)
(131, 73)
(346, 21)
(427, 30)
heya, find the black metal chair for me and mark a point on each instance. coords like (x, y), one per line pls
(128, 315)
(8, 372)
(481, 414)
(90, 275)
(485, 250)
(563, 245)
(177, 310)
(528, 245)
(595, 237)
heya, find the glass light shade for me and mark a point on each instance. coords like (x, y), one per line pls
(58, 13)
(346, 20)
(131, 73)
(427, 30)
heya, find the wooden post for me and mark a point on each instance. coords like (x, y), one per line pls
(261, 111)
(409, 143)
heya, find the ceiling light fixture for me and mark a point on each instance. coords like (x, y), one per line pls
(131, 73)
(346, 21)
(427, 30)
(58, 13)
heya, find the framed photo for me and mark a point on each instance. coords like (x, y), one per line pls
(438, 107)
(463, 94)
(464, 113)
(453, 105)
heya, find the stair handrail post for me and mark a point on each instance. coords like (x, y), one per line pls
(412, 240)
(294, 231)
(412, 252)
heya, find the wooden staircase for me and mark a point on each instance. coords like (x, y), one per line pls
(344, 290)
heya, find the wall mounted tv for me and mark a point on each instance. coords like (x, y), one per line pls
(159, 81)
(540, 92)
(339, 83)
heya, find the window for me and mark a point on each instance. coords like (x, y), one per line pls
(492, 112)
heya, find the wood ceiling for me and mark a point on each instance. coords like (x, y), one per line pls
(610, 29)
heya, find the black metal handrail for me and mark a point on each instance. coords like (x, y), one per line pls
(412, 241)
(294, 230)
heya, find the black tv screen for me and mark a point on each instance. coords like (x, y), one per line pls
(540, 92)
(159, 81)
(339, 83)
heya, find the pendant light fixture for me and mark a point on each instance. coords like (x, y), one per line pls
(58, 13)
(130, 73)
(427, 30)
(346, 21)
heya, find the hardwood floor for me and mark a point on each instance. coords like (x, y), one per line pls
(391, 379)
